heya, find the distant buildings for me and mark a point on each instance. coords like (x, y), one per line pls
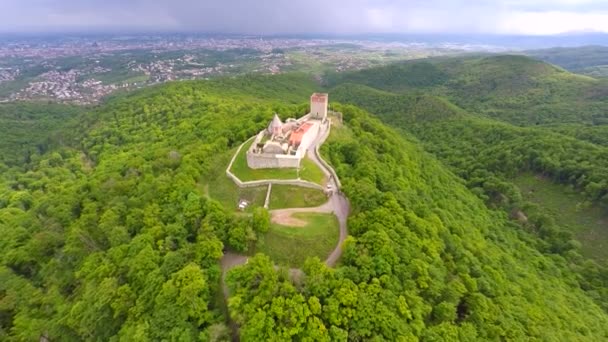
(35, 69)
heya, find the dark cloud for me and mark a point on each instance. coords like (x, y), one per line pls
(312, 16)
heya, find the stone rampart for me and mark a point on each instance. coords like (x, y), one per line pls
(326, 164)
(266, 182)
(267, 200)
(241, 184)
(275, 161)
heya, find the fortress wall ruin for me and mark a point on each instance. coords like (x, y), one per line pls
(257, 140)
(265, 161)
(303, 118)
(324, 162)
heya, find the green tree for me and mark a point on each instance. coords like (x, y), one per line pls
(261, 220)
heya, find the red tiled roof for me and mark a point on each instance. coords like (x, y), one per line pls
(296, 136)
(319, 97)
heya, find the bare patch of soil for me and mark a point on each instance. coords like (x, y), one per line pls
(286, 219)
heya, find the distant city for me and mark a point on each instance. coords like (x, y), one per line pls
(84, 69)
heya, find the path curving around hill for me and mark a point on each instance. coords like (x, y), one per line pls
(336, 204)
(337, 201)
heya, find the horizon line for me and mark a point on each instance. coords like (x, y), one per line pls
(292, 34)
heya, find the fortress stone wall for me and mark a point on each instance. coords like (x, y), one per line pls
(266, 161)
(283, 145)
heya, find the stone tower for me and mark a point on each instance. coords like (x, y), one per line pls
(318, 106)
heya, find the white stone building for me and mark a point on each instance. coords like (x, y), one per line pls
(283, 145)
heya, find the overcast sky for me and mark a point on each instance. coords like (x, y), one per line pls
(536, 17)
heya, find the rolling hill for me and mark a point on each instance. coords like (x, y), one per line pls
(514, 89)
(589, 60)
(494, 156)
(30, 128)
(115, 236)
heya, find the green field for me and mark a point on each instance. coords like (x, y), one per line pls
(292, 245)
(7, 88)
(311, 172)
(223, 189)
(286, 196)
(308, 171)
(304, 63)
(588, 222)
(120, 76)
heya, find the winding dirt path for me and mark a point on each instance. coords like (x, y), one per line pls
(337, 204)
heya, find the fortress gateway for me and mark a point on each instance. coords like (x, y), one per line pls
(284, 144)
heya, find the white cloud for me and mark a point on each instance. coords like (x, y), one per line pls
(553, 22)
(310, 16)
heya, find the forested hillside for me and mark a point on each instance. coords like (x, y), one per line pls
(594, 134)
(112, 235)
(32, 128)
(489, 154)
(427, 260)
(514, 89)
(471, 142)
(589, 60)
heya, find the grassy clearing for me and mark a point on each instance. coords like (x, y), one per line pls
(339, 131)
(588, 222)
(7, 88)
(121, 76)
(223, 189)
(285, 196)
(309, 170)
(292, 245)
(303, 63)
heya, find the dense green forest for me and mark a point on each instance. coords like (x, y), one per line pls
(594, 134)
(488, 153)
(476, 142)
(110, 234)
(426, 260)
(513, 89)
(589, 60)
(472, 130)
(30, 128)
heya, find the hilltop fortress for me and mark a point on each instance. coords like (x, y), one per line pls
(284, 144)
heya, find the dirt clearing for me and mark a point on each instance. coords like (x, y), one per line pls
(286, 219)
